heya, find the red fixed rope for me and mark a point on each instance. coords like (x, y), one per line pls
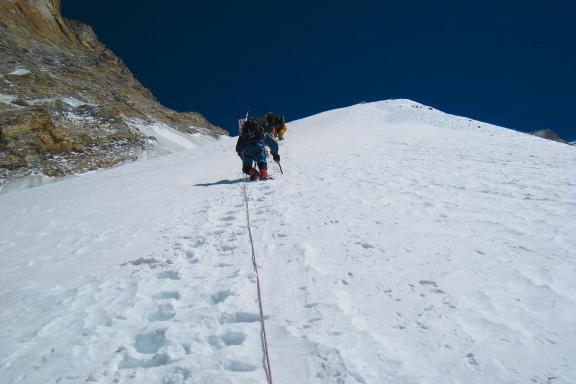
(264, 339)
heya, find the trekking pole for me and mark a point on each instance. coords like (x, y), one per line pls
(281, 171)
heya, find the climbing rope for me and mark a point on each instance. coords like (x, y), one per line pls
(263, 338)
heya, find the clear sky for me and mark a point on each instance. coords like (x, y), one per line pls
(511, 63)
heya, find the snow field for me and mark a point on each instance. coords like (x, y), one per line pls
(137, 279)
(402, 245)
(168, 140)
(450, 248)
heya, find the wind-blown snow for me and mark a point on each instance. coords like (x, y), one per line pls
(402, 245)
(168, 140)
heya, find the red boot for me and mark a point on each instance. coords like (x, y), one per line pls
(263, 173)
(254, 175)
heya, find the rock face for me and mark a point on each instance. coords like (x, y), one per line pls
(548, 134)
(67, 103)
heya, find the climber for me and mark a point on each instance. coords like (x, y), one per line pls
(251, 147)
(275, 125)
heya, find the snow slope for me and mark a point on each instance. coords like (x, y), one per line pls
(402, 245)
(167, 139)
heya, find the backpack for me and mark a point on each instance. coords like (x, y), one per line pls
(252, 130)
(274, 121)
(279, 121)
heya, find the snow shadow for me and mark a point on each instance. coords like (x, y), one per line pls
(221, 182)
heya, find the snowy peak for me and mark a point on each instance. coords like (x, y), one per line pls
(374, 117)
(387, 115)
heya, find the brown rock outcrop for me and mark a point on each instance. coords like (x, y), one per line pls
(66, 101)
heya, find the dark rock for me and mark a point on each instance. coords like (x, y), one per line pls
(548, 134)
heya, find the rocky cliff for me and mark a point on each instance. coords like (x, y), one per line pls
(67, 103)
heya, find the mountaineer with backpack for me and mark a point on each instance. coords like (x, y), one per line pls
(251, 147)
(275, 125)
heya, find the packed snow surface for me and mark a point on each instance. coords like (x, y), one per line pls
(402, 245)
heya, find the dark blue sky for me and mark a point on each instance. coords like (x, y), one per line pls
(511, 63)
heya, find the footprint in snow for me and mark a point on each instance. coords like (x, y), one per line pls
(365, 245)
(191, 256)
(164, 312)
(142, 261)
(151, 342)
(170, 275)
(200, 241)
(220, 296)
(472, 359)
(178, 375)
(233, 338)
(238, 366)
(166, 295)
(234, 274)
(240, 317)
(224, 265)
(130, 362)
(226, 248)
(227, 339)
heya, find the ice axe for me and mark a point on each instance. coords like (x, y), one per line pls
(279, 165)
